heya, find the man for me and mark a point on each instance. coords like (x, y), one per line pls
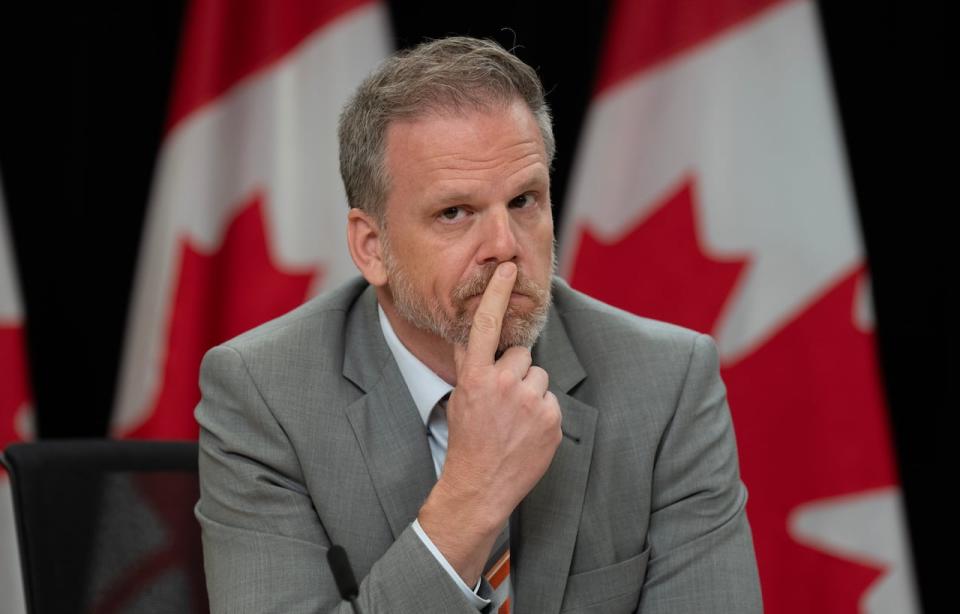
(405, 416)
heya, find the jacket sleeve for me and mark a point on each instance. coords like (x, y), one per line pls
(264, 545)
(701, 548)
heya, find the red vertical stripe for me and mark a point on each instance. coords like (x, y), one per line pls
(14, 386)
(226, 40)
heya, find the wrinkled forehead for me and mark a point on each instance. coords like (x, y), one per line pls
(472, 144)
(454, 131)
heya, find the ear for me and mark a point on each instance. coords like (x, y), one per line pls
(363, 239)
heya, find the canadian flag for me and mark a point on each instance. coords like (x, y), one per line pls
(247, 214)
(710, 190)
(16, 413)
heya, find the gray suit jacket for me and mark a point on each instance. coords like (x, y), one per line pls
(309, 437)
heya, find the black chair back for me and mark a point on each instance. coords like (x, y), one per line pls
(107, 526)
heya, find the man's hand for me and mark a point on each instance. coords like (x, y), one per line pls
(504, 428)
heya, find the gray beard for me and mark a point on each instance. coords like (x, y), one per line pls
(520, 328)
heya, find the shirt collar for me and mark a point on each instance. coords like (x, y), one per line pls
(425, 386)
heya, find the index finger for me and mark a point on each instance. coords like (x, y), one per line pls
(488, 319)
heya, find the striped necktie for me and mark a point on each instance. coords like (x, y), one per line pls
(497, 569)
(498, 573)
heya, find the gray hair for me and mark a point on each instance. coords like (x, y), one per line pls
(451, 74)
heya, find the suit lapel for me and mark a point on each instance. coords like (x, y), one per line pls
(385, 420)
(545, 526)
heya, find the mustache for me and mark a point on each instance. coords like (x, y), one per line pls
(477, 284)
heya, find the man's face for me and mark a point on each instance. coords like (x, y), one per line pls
(466, 193)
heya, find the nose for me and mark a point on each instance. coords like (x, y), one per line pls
(498, 241)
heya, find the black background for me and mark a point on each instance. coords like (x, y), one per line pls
(84, 100)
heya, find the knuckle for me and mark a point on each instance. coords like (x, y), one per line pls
(529, 396)
(467, 381)
(517, 352)
(505, 379)
(555, 427)
(553, 408)
(485, 321)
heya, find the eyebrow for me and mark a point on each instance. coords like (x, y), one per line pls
(457, 197)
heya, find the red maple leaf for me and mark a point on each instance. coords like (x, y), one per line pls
(14, 387)
(219, 295)
(658, 269)
(806, 404)
(811, 424)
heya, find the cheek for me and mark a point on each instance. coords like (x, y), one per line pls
(450, 276)
(541, 246)
(436, 275)
(452, 263)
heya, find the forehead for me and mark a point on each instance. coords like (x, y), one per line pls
(465, 149)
